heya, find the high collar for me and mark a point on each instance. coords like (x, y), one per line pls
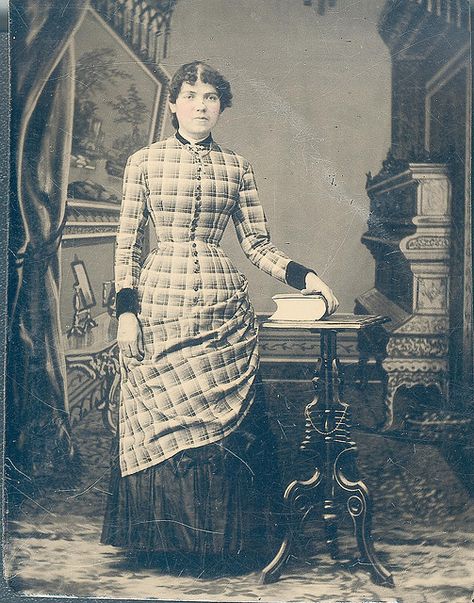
(206, 143)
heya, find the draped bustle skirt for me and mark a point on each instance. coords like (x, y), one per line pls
(215, 504)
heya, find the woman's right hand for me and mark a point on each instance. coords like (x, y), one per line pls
(130, 336)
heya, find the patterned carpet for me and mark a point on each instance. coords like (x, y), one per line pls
(423, 529)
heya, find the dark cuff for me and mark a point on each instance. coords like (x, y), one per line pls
(296, 275)
(126, 300)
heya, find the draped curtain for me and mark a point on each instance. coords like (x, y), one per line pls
(38, 438)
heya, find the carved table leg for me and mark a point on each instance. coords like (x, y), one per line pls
(295, 505)
(359, 505)
(329, 508)
(327, 439)
(300, 491)
(362, 366)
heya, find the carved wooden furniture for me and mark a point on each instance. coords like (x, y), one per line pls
(144, 25)
(409, 237)
(427, 294)
(93, 373)
(327, 441)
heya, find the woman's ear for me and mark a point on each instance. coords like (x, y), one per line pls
(172, 107)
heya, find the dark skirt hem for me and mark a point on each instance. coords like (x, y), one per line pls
(205, 507)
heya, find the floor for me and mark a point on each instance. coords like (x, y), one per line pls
(423, 528)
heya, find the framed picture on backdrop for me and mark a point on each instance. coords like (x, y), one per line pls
(83, 283)
(191, 165)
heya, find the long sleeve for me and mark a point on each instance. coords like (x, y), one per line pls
(251, 227)
(133, 219)
(252, 231)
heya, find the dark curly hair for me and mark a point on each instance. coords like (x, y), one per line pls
(190, 72)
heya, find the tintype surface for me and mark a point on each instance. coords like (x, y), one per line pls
(356, 118)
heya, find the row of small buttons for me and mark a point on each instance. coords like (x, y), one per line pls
(194, 222)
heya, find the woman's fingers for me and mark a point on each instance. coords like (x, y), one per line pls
(130, 337)
(123, 368)
(125, 347)
(140, 343)
(331, 300)
(131, 349)
(134, 349)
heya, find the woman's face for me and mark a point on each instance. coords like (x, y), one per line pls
(197, 108)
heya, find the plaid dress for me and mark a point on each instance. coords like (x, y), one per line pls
(196, 381)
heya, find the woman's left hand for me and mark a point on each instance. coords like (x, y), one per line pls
(315, 285)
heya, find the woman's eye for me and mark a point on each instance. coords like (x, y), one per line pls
(213, 98)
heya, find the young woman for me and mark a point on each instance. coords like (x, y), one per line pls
(196, 461)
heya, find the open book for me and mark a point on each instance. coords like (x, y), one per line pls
(296, 306)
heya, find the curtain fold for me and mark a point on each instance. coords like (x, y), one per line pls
(38, 434)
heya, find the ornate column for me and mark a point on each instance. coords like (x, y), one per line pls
(429, 43)
(420, 223)
(409, 237)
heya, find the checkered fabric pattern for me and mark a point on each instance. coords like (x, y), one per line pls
(195, 383)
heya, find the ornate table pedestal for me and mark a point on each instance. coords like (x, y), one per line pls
(327, 440)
